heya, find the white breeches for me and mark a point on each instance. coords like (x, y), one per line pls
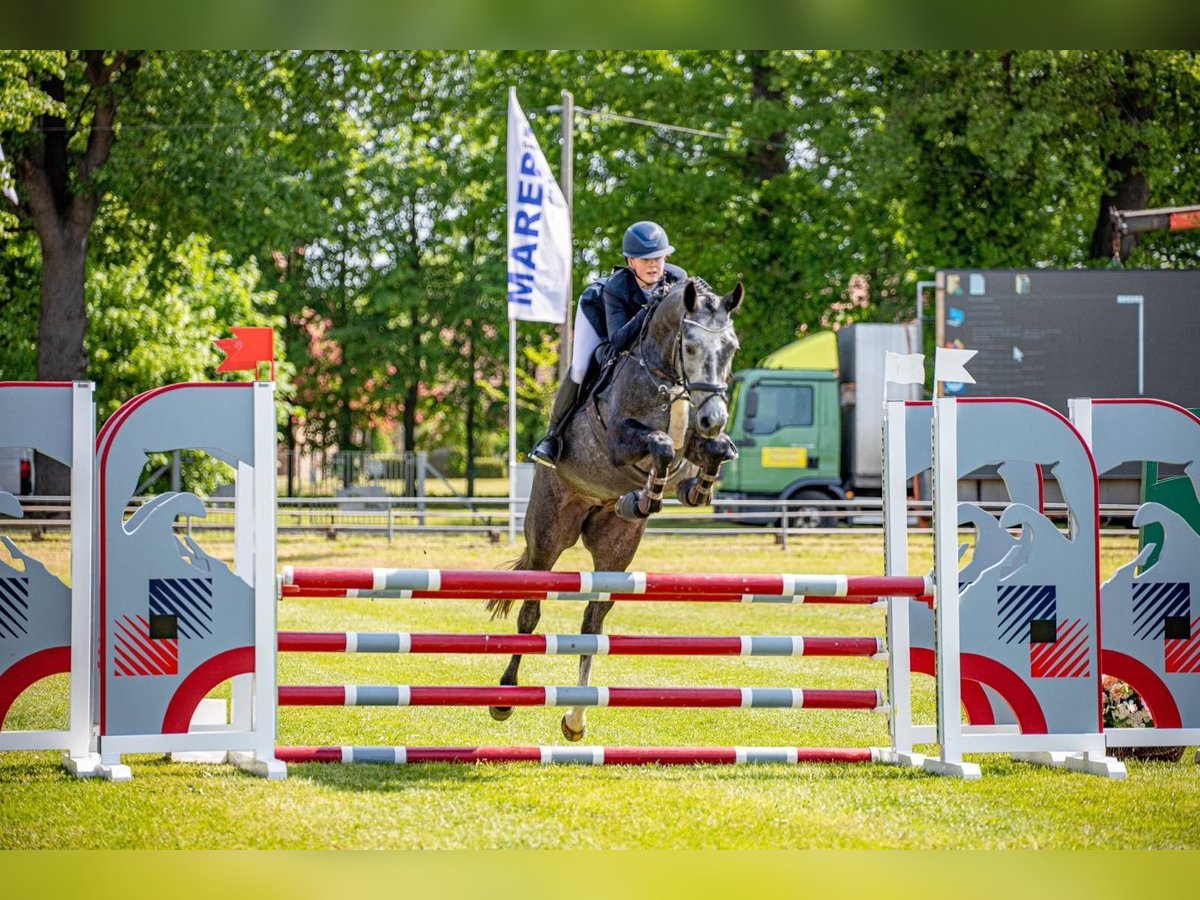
(586, 342)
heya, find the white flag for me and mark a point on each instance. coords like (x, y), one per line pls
(539, 228)
(904, 368)
(951, 365)
(8, 188)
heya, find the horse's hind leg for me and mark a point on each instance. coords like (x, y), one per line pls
(612, 541)
(552, 523)
(527, 619)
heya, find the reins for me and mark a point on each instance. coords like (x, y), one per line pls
(675, 385)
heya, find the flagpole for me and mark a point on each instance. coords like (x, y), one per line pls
(512, 430)
(566, 180)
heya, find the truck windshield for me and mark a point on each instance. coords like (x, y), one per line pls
(780, 405)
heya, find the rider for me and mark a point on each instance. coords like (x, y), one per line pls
(612, 318)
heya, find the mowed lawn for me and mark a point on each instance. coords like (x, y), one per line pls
(172, 805)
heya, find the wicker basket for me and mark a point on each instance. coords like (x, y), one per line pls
(1158, 754)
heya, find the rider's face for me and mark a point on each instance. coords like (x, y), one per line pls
(648, 271)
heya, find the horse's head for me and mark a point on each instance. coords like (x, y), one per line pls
(702, 347)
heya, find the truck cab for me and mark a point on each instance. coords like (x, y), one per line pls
(785, 424)
(808, 423)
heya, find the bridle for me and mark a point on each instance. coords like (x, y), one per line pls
(675, 385)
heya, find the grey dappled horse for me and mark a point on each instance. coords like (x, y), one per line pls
(657, 424)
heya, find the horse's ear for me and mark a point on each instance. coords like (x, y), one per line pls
(689, 296)
(734, 298)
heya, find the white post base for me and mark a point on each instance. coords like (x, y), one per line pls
(89, 766)
(893, 757)
(269, 768)
(112, 769)
(964, 770)
(1104, 766)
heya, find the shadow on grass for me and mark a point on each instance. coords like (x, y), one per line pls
(383, 777)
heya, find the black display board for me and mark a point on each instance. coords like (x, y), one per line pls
(1053, 334)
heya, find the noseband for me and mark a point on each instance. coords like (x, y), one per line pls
(675, 385)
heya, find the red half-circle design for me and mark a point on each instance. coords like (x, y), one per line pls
(1146, 682)
(33, 668)
(1005, 682)
(974, 700)
(203, 679)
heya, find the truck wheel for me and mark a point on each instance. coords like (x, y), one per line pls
(801, 515)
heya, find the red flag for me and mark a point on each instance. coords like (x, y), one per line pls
(246, 349)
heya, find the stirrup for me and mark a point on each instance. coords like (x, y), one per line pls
(547, 451)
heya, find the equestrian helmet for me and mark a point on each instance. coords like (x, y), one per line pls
(645, 240)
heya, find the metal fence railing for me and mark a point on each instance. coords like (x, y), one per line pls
(391, 517)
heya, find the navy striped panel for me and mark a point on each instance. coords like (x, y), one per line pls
(1016, 605)
(14, 607)
(1154, 601)
(188, 599)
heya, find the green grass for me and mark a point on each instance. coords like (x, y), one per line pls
(529, 806)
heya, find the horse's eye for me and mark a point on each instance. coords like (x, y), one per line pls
(690, 351)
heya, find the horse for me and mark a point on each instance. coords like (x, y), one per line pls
(657, 422)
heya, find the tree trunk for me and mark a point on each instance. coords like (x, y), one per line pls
(410, 432)
(62, 202)
(62, 328)
(470, 423)
(1131, 189)
(62, 325)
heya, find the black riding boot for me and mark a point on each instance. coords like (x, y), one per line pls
(548, 448)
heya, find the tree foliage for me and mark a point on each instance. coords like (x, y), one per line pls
(359, 199)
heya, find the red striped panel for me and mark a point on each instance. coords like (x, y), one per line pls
(1067, 657)
(841, 699)
(619, 756)
(477, 696)
(135, 653)
(478, 643)
(311, 696)
(312, 642)
(674, 756)
(675, 697)
(841, 646)
(619, 645)
(473, 754)
(1182, 656)
(656, 583)
(293, 590)
(317, 577)
(309, 754)
(307, 695)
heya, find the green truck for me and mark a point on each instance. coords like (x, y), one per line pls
(808, 424)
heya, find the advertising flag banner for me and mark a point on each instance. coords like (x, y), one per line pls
(539, 228)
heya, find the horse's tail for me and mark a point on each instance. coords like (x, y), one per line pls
(500, 608)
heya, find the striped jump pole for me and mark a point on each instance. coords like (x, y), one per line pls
(643, 584)
(292, 590)
(579, 644)
(588, 756)
(660, 697)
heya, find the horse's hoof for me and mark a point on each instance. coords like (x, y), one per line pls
(627, 507)
(500, 713)
(569, 734)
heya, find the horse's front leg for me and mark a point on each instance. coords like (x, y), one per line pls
(633, 442)
(712, 453)
(574, 722)
(527, 619)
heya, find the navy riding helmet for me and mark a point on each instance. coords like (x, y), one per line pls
(645, 240)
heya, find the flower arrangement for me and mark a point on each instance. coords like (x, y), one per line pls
(1124, 708)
